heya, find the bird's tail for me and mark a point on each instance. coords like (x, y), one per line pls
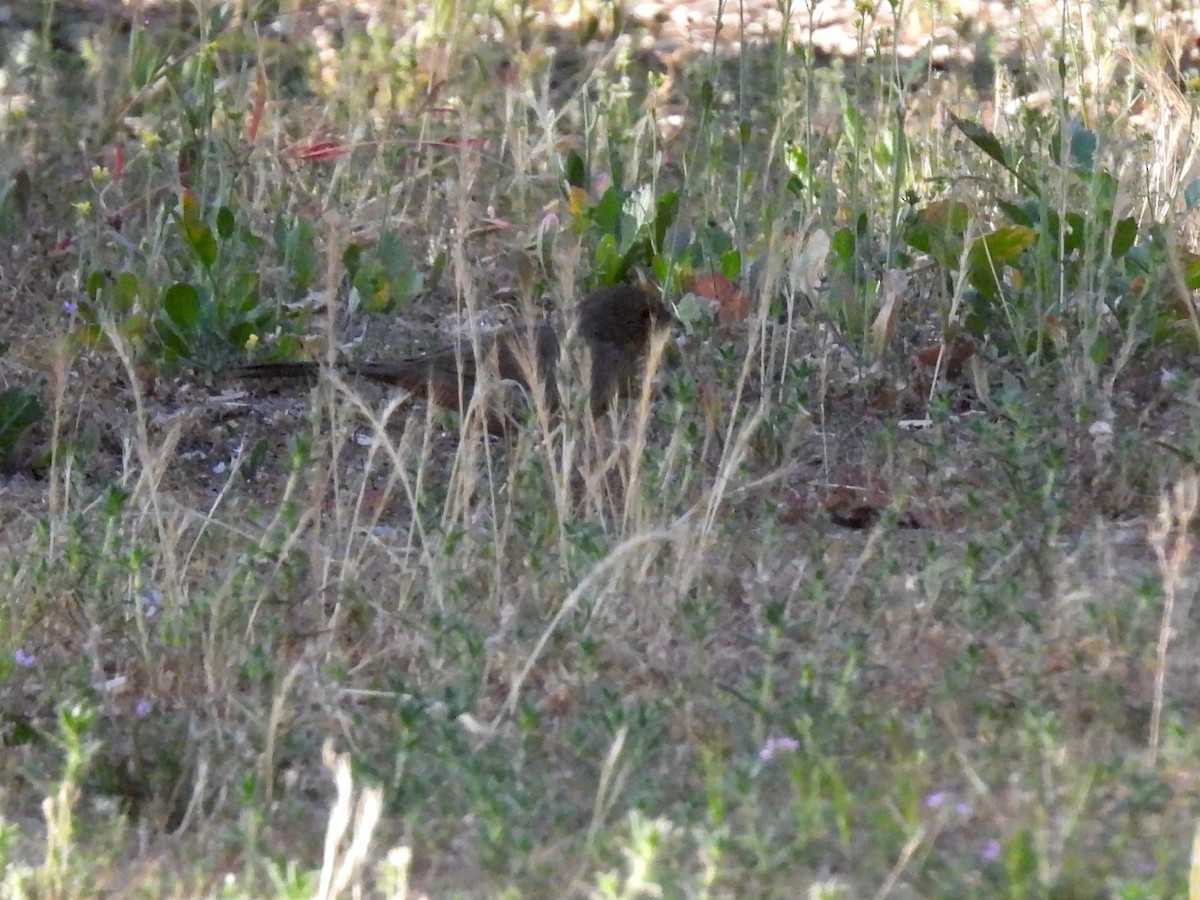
(290, 370)
(415, 376)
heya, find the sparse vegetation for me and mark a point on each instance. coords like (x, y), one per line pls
(881, 587)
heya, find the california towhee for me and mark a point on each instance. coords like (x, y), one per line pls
(614, 322)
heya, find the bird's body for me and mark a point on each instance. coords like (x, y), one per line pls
(615, 324)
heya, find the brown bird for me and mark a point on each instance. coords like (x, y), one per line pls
(615, 324)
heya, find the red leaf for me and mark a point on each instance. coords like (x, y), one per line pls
(732, 305)
(320, 151)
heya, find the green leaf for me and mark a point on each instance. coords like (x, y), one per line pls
(351, 258)
(606, 213)
(843, 243)
(608, 259)
(384, 276)
(125, 292)
(438, 267)
(226, 224)
(589, 30)
(990, 253)
(1124, 234)
(200, 238)
(637, 212)
(731, 265)
(1006, 244)
(1083, 148)
(144, 58)
(409, 286)
(1191, 194)
(989, 144)
(575, 170)
(1017, 214)
(1191, 272)
(983, 139)
(95, 281)
(174, 344)
(240, 333)
(243, 293)
(18, 410)
(283, 225)
(1077, 230)
(181, 302)
(296, 240)
(795, 160)
(938, 229)
(639, 253)
(1105, 188)
(664, 216)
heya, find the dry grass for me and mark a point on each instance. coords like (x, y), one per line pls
(312, 643)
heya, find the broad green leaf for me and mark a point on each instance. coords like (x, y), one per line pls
(1017, 213)
(608, 259)
(1124, 234)
(605, 214)
(243, 293)
(731, 264)
(125, 292)
(938, 229)
(200, 238)
(664, 216)
(637, 208)
(795, 160)
(639, 253)
(843, 243)
(351, 258)
(175, 345)
(295, 241)
(575, 170)
(1083, 148)
(181, 302)
(226, 224)
(239, 334)
(1191, 271)
(990, 253)
(1191, 194)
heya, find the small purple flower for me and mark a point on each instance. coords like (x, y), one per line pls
(142, 709)
(778, 745)
(990, 851)
(963, 808)
(23, 657)
(70, 307)
(936, 799)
